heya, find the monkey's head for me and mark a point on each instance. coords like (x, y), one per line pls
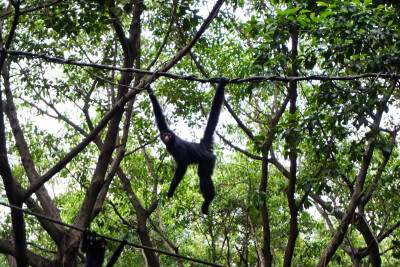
(166, 137)
(101, 243)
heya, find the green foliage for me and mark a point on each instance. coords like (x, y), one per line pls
(330, 134)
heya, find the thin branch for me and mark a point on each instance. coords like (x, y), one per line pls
(75, 151)
(31, 8)
(166, 36)
(248, 154)
(388, 232)
(141, 146)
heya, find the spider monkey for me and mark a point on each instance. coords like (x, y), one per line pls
(95, 250)
(186, 153)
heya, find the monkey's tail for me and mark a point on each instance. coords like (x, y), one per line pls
(214, 114)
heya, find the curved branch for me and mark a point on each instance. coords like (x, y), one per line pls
(238, 148)
(389, 231)
(75, 151)
(6, 247)
(189, 46)
(166, 36)
(31, 8)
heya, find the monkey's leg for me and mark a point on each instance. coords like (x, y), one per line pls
(179, 173)
(206, 184)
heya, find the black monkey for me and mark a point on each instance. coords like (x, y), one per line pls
(186, 153)
(94, 248)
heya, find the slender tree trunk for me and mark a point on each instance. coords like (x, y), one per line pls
(144, 237)
(341, 230)
(10, 185)
(292, 139)
(266, 249)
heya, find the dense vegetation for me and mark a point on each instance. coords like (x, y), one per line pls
(308, 169)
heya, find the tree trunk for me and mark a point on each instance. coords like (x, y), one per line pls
(144, 237)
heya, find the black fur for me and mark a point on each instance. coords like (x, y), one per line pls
(94, 248)
(186, 153)
(116, 254)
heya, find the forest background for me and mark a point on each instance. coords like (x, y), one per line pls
(308, 169)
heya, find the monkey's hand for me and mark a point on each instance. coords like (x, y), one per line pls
(170, 194)
(204, 208)
(224, 80)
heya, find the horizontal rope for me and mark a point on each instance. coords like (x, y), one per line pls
(202, 80)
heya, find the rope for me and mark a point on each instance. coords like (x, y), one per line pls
(202, 80)
(109, 238)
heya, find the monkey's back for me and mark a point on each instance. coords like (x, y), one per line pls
(189, 152)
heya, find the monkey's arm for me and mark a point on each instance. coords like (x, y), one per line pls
(116, 254)
(86, 240)
(214, 112)
(161, 123)
(179, 173)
